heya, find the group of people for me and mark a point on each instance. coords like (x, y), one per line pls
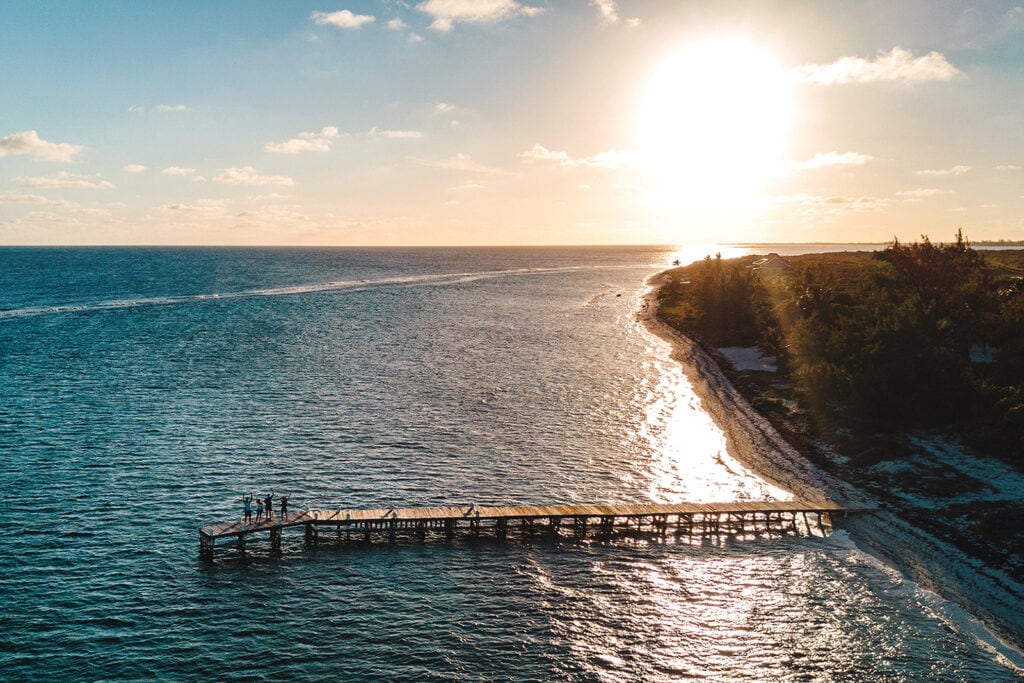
(264, 504)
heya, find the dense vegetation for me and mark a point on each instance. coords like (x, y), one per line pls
(916, 335)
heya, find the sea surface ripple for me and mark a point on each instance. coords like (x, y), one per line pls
(143, 391)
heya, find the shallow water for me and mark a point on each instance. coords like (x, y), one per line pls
(143, 391)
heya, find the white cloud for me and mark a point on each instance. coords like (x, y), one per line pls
(161, 108)
(205, 208)
(415, 38)
(306, 142)
(34, 199)
(1008, 167)
(895, 65)
(133, 168)
(67, 180)
(541, 153)
(610, 159)
(819, 206)
(609, 12)
(613, 158)
(342, 19)
(459, 162)
(198, 179)
(178, 170)
(444, 107)
(273, 213)
(394, 134)
(271, 196)
(396, 25)
(247, 175)
(921, 193)
(468, 186)
(633, 22)
(825, 159)
(955, 170)
(29, 142)
(448, 12)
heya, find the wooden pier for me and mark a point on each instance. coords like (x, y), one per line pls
(680, 519)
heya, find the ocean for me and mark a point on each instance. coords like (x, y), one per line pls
(144, 391)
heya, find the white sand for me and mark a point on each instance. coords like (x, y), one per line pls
(982, 591)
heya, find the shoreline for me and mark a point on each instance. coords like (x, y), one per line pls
(984, 593)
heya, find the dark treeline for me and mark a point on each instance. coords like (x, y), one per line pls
(916, 335)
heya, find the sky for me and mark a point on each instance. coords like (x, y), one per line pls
(509, 122)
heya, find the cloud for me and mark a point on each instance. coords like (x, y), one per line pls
(467, 186)
(1008, 167)
(444, 107)
(955, 170)
(204, 208)
(161, 108)
(826, 159)
(247, 175)
(394, 134)
(133, 168)
(342, 19)
(819, 206)
(178, 170)
(921, 193)
(29, 142)
(610, 159)
(34, 199)
(447, 12)
(609, 12)
(459, 162)
(541, 153)
(896, 65)
(306, 142)
(396, 25)
(67, 180)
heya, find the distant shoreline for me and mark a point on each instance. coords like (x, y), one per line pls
(986, 593)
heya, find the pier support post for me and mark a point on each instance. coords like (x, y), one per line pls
(241, 544)
(275, 541)
(205, 548)
(449, 529)
(310, 535)
(553, 524)
(501, 528)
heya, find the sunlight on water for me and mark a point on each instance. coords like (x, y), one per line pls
(689, 457)
(690, 253)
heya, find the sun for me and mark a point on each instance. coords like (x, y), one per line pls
(713, 123)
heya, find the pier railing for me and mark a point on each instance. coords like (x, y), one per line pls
(681, 519)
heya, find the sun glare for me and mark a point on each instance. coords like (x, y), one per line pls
(712, 123)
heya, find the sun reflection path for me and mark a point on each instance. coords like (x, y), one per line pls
(689, 456)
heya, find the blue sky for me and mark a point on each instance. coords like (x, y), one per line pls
(505, 122)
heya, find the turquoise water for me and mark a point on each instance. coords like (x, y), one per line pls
(143, 391)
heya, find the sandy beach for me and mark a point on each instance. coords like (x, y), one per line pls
(984, 593)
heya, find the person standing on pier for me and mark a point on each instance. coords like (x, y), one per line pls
(259, 511)
(247, 507)
(284, 507)
(268, 503)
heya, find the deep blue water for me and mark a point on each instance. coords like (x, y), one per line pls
(143, 391)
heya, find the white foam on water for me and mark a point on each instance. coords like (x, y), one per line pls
(438, 279)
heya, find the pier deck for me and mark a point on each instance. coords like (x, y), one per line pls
(683, 518)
